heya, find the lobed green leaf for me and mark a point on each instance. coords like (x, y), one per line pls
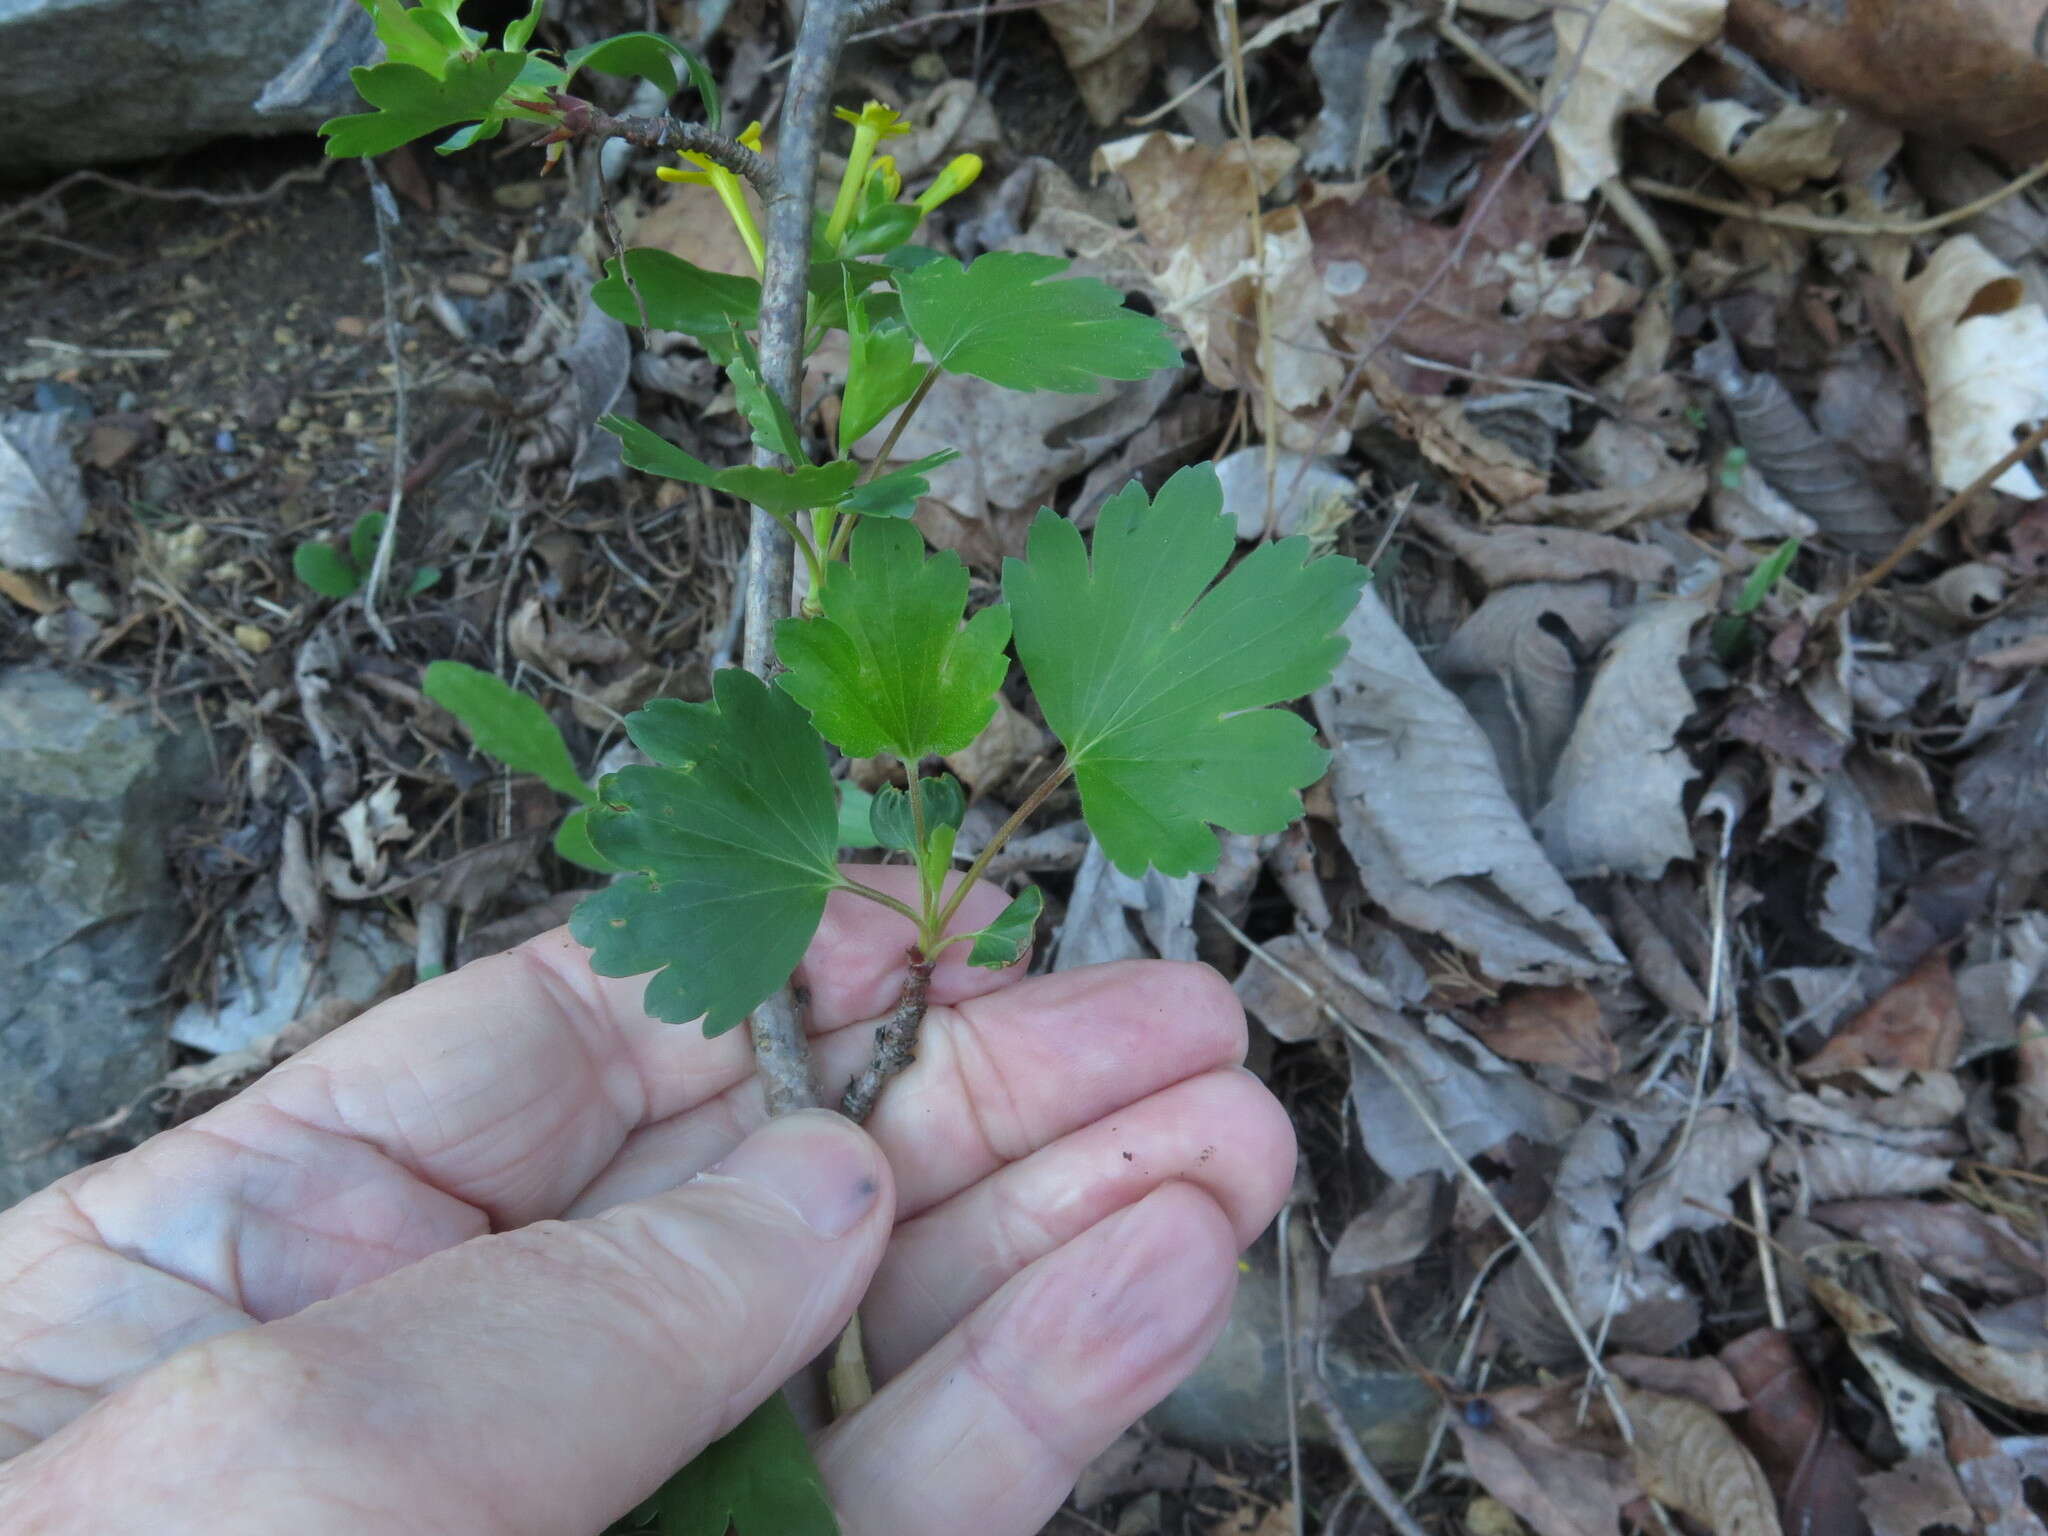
(408, 102)
(888, 666)
(760, 1480)
(1154, 680)
(679, 295)
(889, 818)
(895, 494)
(325, 569)
(779, 491)
(882, 370)
(732, 837)
(1003, 320)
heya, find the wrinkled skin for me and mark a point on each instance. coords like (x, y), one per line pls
(459, 1267)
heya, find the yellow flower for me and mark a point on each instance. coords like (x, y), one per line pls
(960, 173)
(731, 191)
(871, 124)
(889, 178)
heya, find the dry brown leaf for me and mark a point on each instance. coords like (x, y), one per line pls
(42, 498)
(1982, 347)
(1394, 1230)
(1478, 461)
(1504, 556)
(1959, 1243)
(1991, 1480)
(1112, 46)
(1557, 1475)
(1794, 145)
(2014, 1376)
(2030, 1090)
(1686, 1456)
(1704, 1380)
(1553, 1027)
(1968, 70)
(1918, 1497)
(1503, 306)
(1699, 1166)
(1789, 1429)
(1424, 814)
(1916, 1024)
(1192, 203)
(1633, 46)
(1847, 1279)
(1615, 802)
(1613, 507)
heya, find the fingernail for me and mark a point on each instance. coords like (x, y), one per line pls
(816, 1163)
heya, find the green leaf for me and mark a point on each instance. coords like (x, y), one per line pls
(937, 856)
(1768, 573)
(760, 1479)
(405, 40)
(680, 296)
(889, 818)
(856, 817)
(507, 724)
(363, 538)
(877, 231)
(882, 371)
(409, 102)
(1001, 320)
(1154, 680)
(888, 667)
(422, 579)
(784, 491)
(1004, 941)
(764, 412)
(325, 569)
(780, 491)
(572, 842)
(734, 837)
(895, 494)
(650, 56)
(520, 29)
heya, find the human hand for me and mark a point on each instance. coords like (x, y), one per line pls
(459, 1267)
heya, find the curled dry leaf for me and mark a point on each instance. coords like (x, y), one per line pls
(1982, 347)
(1701, 1165)
(1394, 1230)
(1991, 1480)
(1968, 70)
(1613, 507)
(1847, 1280)
(42, 499)
(1794, 145)
(2017, 1377)
(1193, 203)
(1423, 812)
(1809, 471)
(1686, 1456)
(1358, 59)
(1633, 45)
(1918, 1496)
(1848, 905)
(1917, 1024)
(1615, 801)
(1481, 464)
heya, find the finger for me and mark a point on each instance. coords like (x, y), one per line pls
(541, 1381)
(996, 1077)
(1221, 1132)
(988, 1431)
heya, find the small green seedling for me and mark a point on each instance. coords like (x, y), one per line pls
(1733, 632)
(340, 572)
(1158, 658)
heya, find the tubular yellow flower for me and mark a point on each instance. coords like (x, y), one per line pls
(960, 174)
(884, 170)
(731, 191)
(871, 124)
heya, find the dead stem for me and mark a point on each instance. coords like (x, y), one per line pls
(895, 1042)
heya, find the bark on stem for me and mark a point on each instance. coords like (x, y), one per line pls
(782, 1052)
(895, 1043)
(667, 133)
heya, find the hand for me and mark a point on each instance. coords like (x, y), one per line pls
(503, 1253)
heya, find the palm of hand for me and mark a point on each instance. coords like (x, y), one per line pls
(1076, 1161)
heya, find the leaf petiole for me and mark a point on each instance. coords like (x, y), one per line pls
(1004, 833)
(901, 908)
(924, 387)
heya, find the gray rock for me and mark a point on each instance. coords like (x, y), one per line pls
(1238, 1397)
(94, 81)
(88, 795)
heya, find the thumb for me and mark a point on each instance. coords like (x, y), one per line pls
(541, 1380)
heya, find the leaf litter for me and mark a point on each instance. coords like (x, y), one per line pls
(1670, 929)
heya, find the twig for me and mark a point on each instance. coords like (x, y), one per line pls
(57, 189)
(895, 1043)
(1823, 224)
(1935, 521)
(666, 133)
(386, 214)
(782, 1053)
(1376, 1487)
